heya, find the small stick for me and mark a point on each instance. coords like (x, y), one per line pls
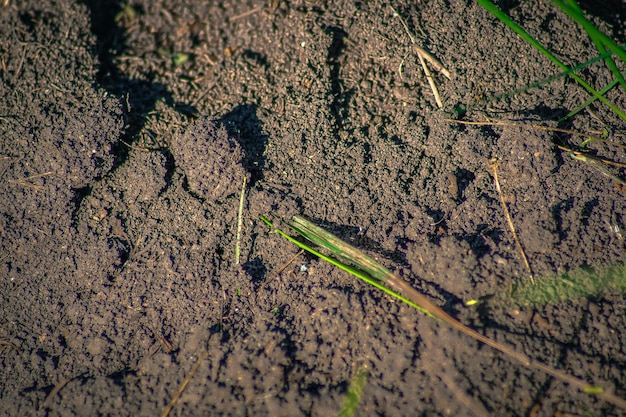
(281, 269)
(239, 222)
(510, 221)
(9, 344)
(527, 125)
(246, 14)
(24, 182)
(163, 343)
(58, 387)
(422, 54)
(431, 81)
(32, 177)
(182, 387)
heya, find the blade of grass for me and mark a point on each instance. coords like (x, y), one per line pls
(589, 101)
(339, 248)
(372, 268)
(619, 76)
(575, 8)
(582, 282)
(589, 27)
(347, 268)
(562, 74)
(493, 9)
(597, 164)
(370, 271)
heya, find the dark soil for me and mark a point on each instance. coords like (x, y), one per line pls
(127, 131)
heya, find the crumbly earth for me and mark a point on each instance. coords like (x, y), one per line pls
(127, 129)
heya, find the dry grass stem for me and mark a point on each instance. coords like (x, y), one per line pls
(595, 158)
(281, 269)
(8, 344)
(246, 14)
(433, 61)
(164, 344)
(58, 387)
(595, 135)
(26, 182)
(507, 214)
(182, 387)
(424, 56)
(239, 221)
(599, 164)
(431, 81)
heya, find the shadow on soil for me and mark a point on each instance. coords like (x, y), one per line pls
(243, 124)
(140, 95)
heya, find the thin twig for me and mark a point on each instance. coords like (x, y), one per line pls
(525, 125)
(182, 387)
(431, 81)
(281, 269)
(406, 27)
(422, 54)
(24, 182)
(246, 14)
(58, 387)
(494, 167)
(7, 343)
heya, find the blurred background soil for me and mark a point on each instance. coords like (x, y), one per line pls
(127, 129)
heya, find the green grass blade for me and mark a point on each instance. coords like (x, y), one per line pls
(575, 9)
(547, 80)
(353, 396)
(347, 268)
(590, 28)
(339, 248)
(493, 9)
(584, 282)
(588, 102)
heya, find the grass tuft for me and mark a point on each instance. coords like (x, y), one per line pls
(353, 396)
(602, 42)
(584, 282)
